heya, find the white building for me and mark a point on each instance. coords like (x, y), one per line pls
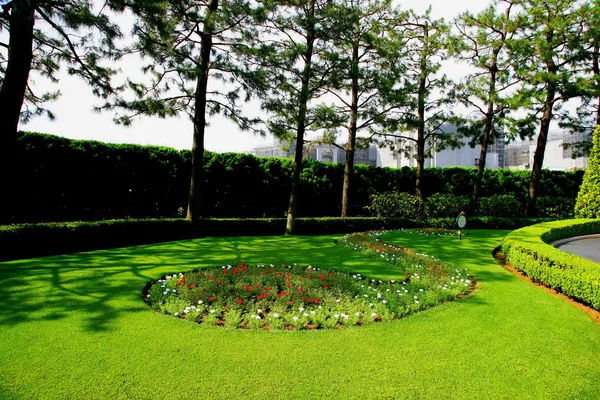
(464, 156)
(556, 156)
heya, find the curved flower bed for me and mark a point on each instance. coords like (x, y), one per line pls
(305, 297)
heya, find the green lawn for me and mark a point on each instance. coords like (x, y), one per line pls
(75, 326)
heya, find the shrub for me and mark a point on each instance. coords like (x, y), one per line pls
(559, 207)
(527, 250)
(399, 205)
(588, 199)
(442, 205)
(58, 179)
(505, 206)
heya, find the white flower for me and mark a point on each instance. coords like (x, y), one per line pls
(373, 314)
(295, 318)
(416, 302)
(301, 309)
(212, 311)
(378, 295)
(275, 315)
(259, 311)
(338, 300)
(258, 317)
(420, 290)
(371, 305)
(336, 316)
(354, 276)
(305, 314)
(357, 314)
(176, 314)
(148, 296)
(384, 301)
(199, 301)
(416, 297)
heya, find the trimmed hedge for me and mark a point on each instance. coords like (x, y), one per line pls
(527, 249)
(58, 179)
(37, 240)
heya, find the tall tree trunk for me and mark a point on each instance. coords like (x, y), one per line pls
(301, 128)
(487, 130)
(421, 115)
(194, 208)
(20, 55)
(540, 150)
(12, 96)
(352, 128)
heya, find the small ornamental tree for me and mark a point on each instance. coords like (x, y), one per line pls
(588, 199)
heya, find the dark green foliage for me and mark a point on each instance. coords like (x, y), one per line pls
(562, 207)
(396, 204)
(442, 205)
(504, 205)
(527, 250)
(588, 199)
(58, 179)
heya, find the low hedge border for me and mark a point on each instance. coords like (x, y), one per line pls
(37, 240)
(529, 251)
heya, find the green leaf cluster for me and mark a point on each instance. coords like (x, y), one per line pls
(588, 199)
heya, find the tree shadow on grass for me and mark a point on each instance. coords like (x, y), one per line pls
(98, 288)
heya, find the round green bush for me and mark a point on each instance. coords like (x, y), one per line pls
(505, 206)
(442, 205)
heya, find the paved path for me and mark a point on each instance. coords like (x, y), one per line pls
(585, 248)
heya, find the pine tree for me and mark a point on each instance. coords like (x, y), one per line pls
(420, 99)
(551, 48)
(588, 199)
(195, 69)
(368, 68)
(44, 35)
(482, 44)
(295, 35)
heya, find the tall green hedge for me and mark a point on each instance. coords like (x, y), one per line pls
(588, 199)
(58, 179)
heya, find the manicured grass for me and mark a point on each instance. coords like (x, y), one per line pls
(75, 326)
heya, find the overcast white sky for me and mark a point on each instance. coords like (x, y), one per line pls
(75, 118)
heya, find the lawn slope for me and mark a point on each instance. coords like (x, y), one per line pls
(74, 326)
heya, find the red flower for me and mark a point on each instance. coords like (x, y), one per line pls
(309, 275)
(257, 285)
(195, 276)
(193, 285)
(289, 285)
(321, 277)
(268, 289)
(220, 282)
(292, 302)
(326, 286)
(248, 287)
(181, 281)
(240, 301)
(211, 277)
(316, 301)
(212, 299)
(225, 274)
